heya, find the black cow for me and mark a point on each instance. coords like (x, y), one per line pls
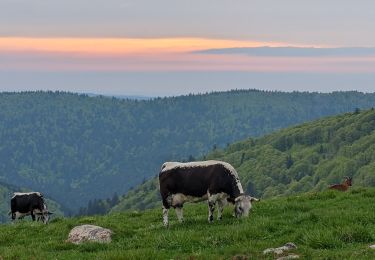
(30, 203)
(215, 181)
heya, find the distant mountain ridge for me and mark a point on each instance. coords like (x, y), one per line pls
(131, 97)
(76, 148)
(295, 51)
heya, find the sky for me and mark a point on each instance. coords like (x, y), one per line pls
(168, 47)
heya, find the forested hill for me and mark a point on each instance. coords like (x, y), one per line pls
(75, 147)
(308, 157)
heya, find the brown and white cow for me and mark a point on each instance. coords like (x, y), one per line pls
(214, 181)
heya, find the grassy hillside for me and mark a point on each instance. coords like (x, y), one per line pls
(77, 148)
(307, 157)
(327, 225)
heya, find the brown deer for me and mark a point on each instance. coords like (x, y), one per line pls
(344, 186)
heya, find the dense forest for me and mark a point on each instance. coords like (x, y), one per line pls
(308, 157)
(77, 148)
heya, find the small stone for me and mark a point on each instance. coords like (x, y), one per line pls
(290, 245)
(280, 250)
(89, 233)
(372, 246)
(268, 250)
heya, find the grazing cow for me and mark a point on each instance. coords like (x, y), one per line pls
(214, 181)
(344, 186)
(29, 203)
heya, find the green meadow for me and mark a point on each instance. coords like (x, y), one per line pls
(324, 225)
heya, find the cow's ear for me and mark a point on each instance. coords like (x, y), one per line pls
(254, 199)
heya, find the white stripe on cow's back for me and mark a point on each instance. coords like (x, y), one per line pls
(27, 193)
(173, 165)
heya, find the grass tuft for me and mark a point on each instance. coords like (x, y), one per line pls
(355, 234)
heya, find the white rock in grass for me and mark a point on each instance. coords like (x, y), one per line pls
(372, 246)
(89, 233)
(280, 250)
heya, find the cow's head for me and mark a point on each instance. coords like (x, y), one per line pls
(44, 215)
(348, 181)
(242, 205)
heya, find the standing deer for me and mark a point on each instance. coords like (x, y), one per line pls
(344, 186)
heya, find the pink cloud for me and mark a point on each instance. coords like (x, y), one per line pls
(181, 62)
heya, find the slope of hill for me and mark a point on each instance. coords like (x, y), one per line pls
(6, 192)
(328, 225)
(77, 148)
(307, 157)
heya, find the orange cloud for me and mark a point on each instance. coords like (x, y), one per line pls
(168, 54)
(121, 46)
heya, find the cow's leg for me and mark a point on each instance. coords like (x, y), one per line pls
(165, 216)
(32, 215)
(211, 207)
(166, 206)
(220, 207)
(180, 213)
(14, 217)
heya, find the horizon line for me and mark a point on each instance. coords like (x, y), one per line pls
(147, 97)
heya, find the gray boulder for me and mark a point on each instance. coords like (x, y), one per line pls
(89, 233)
